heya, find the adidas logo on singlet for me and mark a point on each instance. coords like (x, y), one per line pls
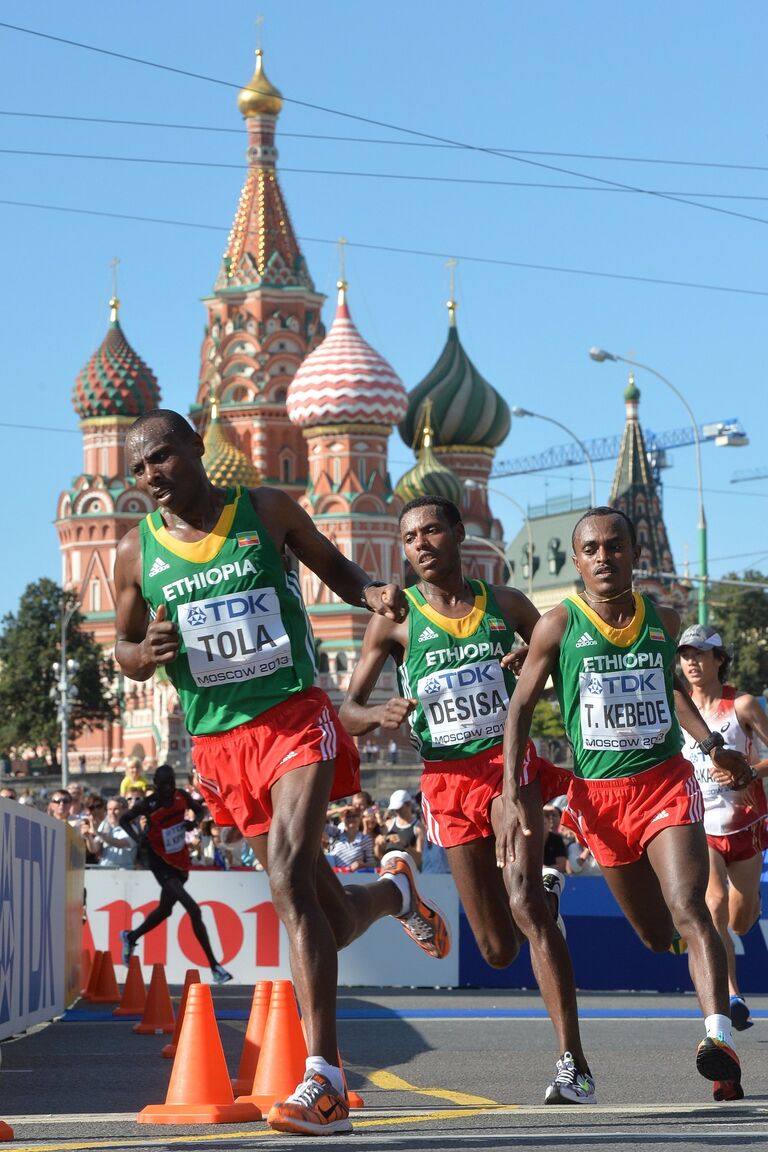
(427, 634)
(584, 641)
(158, 567)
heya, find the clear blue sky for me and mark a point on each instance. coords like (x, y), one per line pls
(658, 81)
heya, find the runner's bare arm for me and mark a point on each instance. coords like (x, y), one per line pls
(520, 614)
(141, 644)
(288, 523)
(542, 658)
(383, 638)
(753, 719)
(729, 764)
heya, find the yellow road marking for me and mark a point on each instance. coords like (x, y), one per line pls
(392, 1082)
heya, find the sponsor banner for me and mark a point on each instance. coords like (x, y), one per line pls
(33, 913)
(246, 934)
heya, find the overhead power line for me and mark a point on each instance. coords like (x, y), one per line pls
(392, 143)
(399, 251)
(404, 176)
(430, 136)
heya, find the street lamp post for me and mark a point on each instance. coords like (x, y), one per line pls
(600, 356)
(65, 690)
(489, 544)
(497, 492)
(517, 411)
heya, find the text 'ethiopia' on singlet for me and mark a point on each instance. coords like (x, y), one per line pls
(246, 642)
(452, 668)
(726, 810)
(615, 687)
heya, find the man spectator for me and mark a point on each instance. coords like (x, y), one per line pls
(77, 811)
(116, 848)
(7, 793)
(393, 751)
(59, 805)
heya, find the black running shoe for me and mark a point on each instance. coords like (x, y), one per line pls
(716, 1060)
(740, 1018)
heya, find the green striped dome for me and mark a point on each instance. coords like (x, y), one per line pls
(466, 409)
(225, 464)
(428, 477)
(115, 381)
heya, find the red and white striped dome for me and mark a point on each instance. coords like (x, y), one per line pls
(345, 380)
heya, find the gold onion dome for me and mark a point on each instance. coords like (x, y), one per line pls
(259, 97)
(429, 477)
(225, 464)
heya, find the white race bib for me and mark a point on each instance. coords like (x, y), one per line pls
(174, 838)
(463, 704)
(623, 710)
(239, 636)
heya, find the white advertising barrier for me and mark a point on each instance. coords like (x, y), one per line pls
(247, 936)
(35, 859)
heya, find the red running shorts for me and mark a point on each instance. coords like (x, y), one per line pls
(741, 845)
(238, 769)
(457, 794)
(617, 819)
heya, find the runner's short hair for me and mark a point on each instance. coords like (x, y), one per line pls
(604, 510)
(447, 507)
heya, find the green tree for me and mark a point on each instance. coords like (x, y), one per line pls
(30, 644)
(547, 727)
(741, 615)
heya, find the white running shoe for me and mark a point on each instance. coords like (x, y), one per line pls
(554, 882)
(569, 1085)
(424, 922)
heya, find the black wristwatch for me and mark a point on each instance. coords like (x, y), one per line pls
(714, 740)
(364, 589)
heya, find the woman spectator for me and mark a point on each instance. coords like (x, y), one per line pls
(353, 848)
(133, 776)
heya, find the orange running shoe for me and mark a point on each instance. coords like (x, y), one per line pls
(424, 922)
(314, 1109)
(717, 1061)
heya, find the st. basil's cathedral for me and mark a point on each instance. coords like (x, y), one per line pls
(283, 403)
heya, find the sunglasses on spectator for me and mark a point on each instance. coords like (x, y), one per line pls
(95, 806)
(61, 800)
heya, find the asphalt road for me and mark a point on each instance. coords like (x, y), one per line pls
(437, 1069)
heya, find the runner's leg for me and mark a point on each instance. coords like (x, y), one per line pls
(717, 902)
(299, 804)
(481, 889)
(350, 908)
(157, 915)
(680, 858)
(550, 958)
(192, 909)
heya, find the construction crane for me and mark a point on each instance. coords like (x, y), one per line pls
(750, 474)
(724, 433)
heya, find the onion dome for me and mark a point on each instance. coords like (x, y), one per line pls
(259, 97)
(466, 409)
(429, 477)
(115, 381)
(345, 381)
(631, 392)
(225, 464)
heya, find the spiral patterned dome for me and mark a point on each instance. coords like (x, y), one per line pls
(345, 381)
(115, 381)
(429, 477)
(225, 464)
(466, 409)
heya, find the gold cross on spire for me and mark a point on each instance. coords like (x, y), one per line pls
(114, 303)
(341, 283)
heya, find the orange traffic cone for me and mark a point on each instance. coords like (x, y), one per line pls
(158, 1010)
(199, 1091)
(243, 1082)
(134, 993)
(283, 1056)
(93, 976)
(6, 1132)
(192, 977)
(355, 1100)
(106, 990)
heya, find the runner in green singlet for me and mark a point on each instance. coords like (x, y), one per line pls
(633, 799)
(455, 690)
(202, 589)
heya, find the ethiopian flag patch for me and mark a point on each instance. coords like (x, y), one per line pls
(247, 539)
(496, 625)
(656, 634)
